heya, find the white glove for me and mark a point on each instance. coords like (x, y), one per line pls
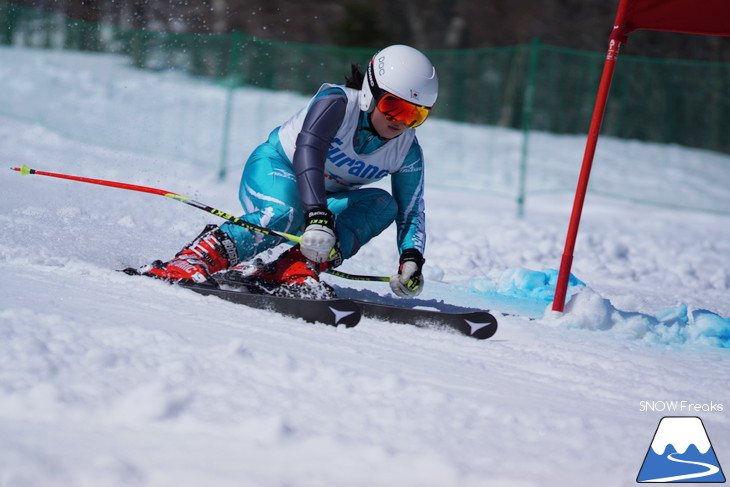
(408, 283)
(319, 237)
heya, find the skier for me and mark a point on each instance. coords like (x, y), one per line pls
(307, 176)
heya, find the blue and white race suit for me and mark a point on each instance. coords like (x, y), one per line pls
(356, 156)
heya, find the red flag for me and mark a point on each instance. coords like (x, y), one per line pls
(711, 17)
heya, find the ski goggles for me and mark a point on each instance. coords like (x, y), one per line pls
(398, 110)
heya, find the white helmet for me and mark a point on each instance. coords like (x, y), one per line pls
(402, 71)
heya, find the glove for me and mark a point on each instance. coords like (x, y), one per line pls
(319, 236)
(408, 283)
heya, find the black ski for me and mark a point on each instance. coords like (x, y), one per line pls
(477, 324)
(347, 310)
(334, 311)
(330, 311)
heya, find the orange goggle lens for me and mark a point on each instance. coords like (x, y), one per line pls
(398, 110)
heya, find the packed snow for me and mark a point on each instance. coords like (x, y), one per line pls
(111, 380)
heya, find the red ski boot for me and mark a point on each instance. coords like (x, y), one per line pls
(210, 252)
(292, 274)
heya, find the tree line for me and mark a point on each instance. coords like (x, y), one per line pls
(425, 24)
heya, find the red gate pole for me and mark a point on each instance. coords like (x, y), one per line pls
(618, 37)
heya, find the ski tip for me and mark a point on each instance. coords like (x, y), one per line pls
(482, 326)
(486, 331)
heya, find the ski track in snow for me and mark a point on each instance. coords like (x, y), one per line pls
(111, 380)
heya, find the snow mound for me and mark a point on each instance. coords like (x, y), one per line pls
(522, 291)
(530, 292)
(675, 326)
(534, 284)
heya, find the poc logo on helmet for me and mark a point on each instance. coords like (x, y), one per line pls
(381, 65)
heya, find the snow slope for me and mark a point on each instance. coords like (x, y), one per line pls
(108, 380)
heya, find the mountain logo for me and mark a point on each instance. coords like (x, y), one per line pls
(681, 452)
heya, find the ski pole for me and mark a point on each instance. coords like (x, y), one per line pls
(25, 170)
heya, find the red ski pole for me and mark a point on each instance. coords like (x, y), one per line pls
(25, 170)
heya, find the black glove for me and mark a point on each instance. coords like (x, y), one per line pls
(408, 282)
(319, 237)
